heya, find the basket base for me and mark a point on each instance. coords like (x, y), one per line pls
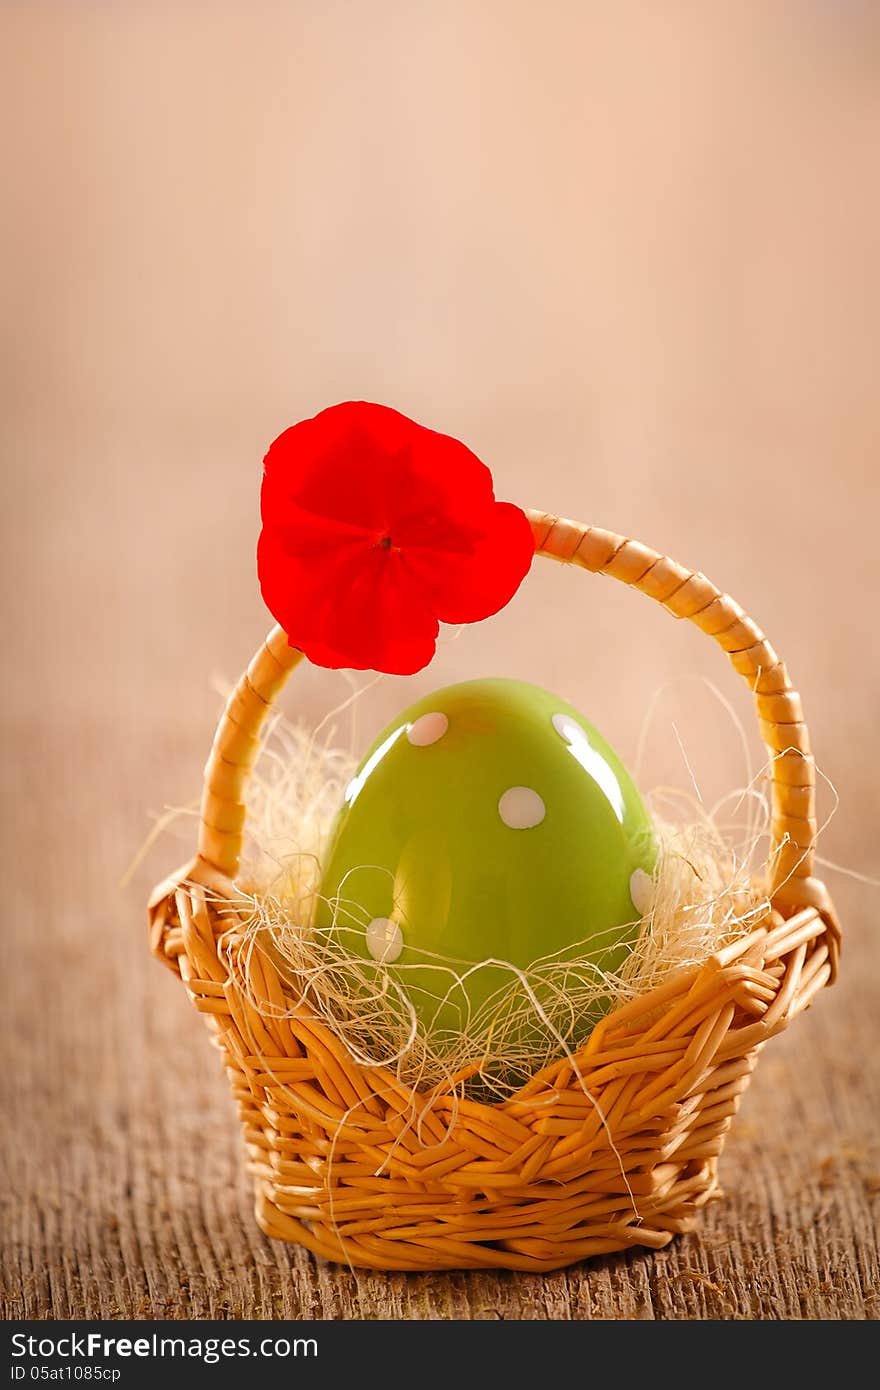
(393, 1241)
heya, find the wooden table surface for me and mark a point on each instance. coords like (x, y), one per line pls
(633, 264)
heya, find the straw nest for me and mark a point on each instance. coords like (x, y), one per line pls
(705, 897)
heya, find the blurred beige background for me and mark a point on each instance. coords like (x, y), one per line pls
(628, 253)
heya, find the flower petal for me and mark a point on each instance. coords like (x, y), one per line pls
(358, 608)
(349, 464)
(467, 588)
(374, 529)
(387, 622)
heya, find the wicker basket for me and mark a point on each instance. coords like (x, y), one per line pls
(352, 1164)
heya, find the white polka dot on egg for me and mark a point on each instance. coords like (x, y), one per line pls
(641, 890)
(521, 808)
(427, 729)
(384, 939)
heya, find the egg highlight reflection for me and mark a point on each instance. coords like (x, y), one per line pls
(490, 822)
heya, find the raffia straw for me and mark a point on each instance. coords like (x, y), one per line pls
(704, 899)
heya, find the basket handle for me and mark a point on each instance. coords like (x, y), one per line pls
(683, 593)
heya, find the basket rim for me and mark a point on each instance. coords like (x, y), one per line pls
(189, 930)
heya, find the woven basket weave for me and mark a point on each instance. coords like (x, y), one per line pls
(620, 1151)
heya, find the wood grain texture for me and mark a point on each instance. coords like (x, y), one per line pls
(123, 1189)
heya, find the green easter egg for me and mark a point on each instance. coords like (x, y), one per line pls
(488, 822)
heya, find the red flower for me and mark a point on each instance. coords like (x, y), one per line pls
(375, 530)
